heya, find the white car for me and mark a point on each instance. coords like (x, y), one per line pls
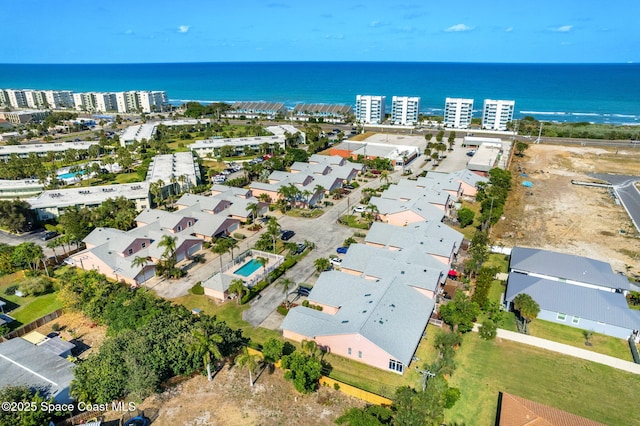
(359, 209)
(335, 261)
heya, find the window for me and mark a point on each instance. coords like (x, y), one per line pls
(359, 354)
(143, 245)
(575, 320)
(561, 316)
(130, 251)
(396, 366)
(179, 228)
(348, 351)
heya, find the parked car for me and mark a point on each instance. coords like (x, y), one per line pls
(286, 235)
(348, 186)
(359, 209)
(49, 235)
(335, 261)
(471, 153)
(342, 250)
(301, 248)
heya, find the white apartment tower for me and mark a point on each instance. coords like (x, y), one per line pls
(458, 112)
(17, 98)
(370, 109)
(496, 114)
(152, 101)
(405, 110)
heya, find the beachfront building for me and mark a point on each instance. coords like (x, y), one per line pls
(497, 113)
(123, 102)
(370, 109)
(268, 110)
(405, 110)
(24, 116)
(322, 112)
(52, 203)
(36, 99)
(399, 155)
(458, 113)
(13, 98)
(42, 149)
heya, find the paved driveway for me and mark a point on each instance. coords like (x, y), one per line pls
(627, 193)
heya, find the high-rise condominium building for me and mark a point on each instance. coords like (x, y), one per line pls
(458, 112)
(496, 114)
(370, 109)
(405, 110)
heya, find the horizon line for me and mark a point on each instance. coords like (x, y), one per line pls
(320, 62)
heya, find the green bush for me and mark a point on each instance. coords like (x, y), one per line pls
(355, 184)
(197, 289)
(336, 386)
(11, 290)
(305, 303)
(282, 310)
(35, 286)
(239, 236)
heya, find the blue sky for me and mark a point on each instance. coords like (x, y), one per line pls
(134, 31)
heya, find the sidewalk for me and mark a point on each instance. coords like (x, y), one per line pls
(549, 345)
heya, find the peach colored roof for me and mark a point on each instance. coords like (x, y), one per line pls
(517, 411)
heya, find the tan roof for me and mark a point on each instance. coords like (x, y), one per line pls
(517, 411)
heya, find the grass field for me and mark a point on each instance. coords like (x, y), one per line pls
(26, 309)
(584, 388)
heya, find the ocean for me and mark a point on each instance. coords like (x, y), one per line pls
(600, 93)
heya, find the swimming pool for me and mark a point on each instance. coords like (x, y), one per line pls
(248, 268)
(70, 175)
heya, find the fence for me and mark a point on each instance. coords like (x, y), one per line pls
(33, 325)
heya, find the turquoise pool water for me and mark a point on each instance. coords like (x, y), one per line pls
(248, 268)
(70, 175)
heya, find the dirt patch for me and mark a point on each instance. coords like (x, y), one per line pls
(229, 400)
(87, 335)
(557, 215)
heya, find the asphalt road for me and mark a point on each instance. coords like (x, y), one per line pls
(626, 192)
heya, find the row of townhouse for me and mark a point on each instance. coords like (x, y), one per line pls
(321, 175)
(427, 198)
(375, 310)
(123, 102)
(117, 254)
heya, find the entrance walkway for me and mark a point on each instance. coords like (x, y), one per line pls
(549, 345)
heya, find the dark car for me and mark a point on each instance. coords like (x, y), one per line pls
(286, 235)
(342, 250)
(348, 186)
(301, 248)
(49, 235)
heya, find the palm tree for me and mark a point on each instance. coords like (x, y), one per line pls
(263, 262)
(52, 244)
(321, 264)
(286, 284)
(139, 261)
(246, 359)
(205, 345)
(310, 346)
(238, 288)
(306, 194)
(527, 307)
(169, 254)
(253, 208)
(221, 246)
(264, 197)
(273, 229)
(384, 177)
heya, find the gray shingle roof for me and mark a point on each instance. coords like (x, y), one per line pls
(387, 312)
(23, 363)
(566, 266)
(555, 296)
(432, 236)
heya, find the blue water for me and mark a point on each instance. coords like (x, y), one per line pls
(604, 93)
(248, 268)
(70, 175)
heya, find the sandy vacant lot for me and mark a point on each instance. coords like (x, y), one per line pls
(228, 400)
(558, 215)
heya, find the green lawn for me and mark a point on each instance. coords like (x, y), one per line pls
(568, 335)
(127, 177)
(229, 312)
(584, 388)
(28, 308)
(498, 260)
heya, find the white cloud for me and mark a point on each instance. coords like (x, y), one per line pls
(563, 29)
(183, 29)
(374, 24)
(458, 28)
(508, 30)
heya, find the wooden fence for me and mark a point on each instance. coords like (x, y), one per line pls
(32, 325)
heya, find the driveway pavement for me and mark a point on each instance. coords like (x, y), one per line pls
(626, 192)
(549, 345)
